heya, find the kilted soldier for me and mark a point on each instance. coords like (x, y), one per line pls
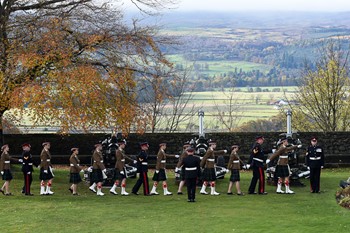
(234, 165)
(182, 170)
(74, 176)
(256, 161)
(142, 169)
(191, 165)
(98, 170)
(46, 173)
(315, 162)
(282, 171)
(208, 163)
(159, 174)
(5, 162)
(120, 170)
(27, 169)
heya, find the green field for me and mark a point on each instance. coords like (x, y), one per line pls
(62, 212)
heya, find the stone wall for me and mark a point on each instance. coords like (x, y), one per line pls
(334, 144)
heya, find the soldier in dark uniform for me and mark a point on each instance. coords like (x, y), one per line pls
(256, 161)
(46, 173)
(191, 165)
(315, 161)
(208, 163)
(27, 169)
(120, 170)
(74, 176)
(282, 168)
(98, 170)
(234, 165)
(6, 173)
(142, 169)
(160, 173)
(182, 170)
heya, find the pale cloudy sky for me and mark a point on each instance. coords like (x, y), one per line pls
(262, 5)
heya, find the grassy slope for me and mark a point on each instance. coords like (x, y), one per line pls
(302, 212)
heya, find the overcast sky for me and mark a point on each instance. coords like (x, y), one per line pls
(262, 5)
(255, 5)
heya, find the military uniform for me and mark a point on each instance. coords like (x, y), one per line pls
(179, 168)
(5, 166)
(234, 165)
(27, 169)
(98, 170)
(256, 161)
(45, 165)
(142, 169)
(191, 165)
(120, 173)
(282, 169)
(315, 161)
(209, 173)
(74, 170)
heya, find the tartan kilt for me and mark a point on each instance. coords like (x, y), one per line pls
(160, 176)
(96, 176)
(45, 176)
(235, 176)
(282, 171)
(7, 175)
(74, 178)
(118, 176)
(209, 174)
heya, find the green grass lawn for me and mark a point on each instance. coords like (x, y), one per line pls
(62, 212)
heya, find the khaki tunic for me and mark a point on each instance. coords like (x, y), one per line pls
(97, 159)
(45, 159)
(5, 161)
(161, 160)
(208, 160)
(74, 164)
(282, 153)
(234, 161)
(120, 156)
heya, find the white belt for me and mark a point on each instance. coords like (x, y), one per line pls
(97, 161)
(72, 165)
(30, 164)
(315, 158)
(211, 160)
(284, 157)
(235, 161)
(48, 160)
(7, 161)
(144, 163)
(190, 168)
(123, 160)
(162, 161)
(259, 160)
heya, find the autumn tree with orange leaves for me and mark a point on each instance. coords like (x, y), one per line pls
(75, 63)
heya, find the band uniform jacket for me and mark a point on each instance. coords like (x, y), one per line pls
(27, 165)
(74, 164)
(97, 159)
(315, 156)
(45, 159)
(120, 156)
(234, 162)
(282, 153)
(208, 160)
(182, 156)
(142, 161)
(257, 155)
